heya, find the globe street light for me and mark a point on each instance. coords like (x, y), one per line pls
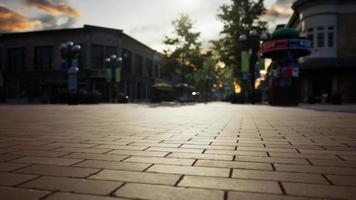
(251, 43)
(70, 52)
(114, 74)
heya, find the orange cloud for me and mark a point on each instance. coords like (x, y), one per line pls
(12, 21)
(59, 9)
(279, 12)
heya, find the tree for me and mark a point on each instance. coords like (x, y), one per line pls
(238, 18)
(184, 49)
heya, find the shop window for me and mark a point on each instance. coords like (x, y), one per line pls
(44, 58)
(16, 59)
(126, 61)
(97, 56)
(331, 39)
(321, 39)
(138, 64)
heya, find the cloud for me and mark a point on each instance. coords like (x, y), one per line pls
(278, 12)
(13, 21)
(50, 14)
(285, 3)
(61, 8)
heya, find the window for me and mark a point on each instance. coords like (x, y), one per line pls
(331, 36)
(321, 39)
(149, 64)
(97, 56)
(16, 59)
(126, 61)
(43, 58)
(311, 38)
(330, 39)
(320, 28)
(138, 64)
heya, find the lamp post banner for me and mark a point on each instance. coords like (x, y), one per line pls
(108, 75)
(245, 61)
(118, 75)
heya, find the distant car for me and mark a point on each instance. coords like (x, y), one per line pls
(122, 98)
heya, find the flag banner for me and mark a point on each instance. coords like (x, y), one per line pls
(245, 76)
(257, 74)
(295, 72)
(108, 75)
(118, 75)
(261, 64)
(245, 61)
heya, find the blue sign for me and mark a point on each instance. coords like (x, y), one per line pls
(245, 76)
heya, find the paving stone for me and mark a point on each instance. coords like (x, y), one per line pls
(230, 184)
(159, 192)
(139, 153)
(138, 177)
(6, 167)
(73, 185)
(257, 196)
(334, 163)
(179, 150)
(113, 165)
(278, 176)
(47, 161)
(189, 170)
(8, 193)
(158, 160)
(38, 153)
(124, 147)
(96, 156)
(200, 156)
(304, 155)
(323, 191)
(315, 169)
(58, 171)
(12, 179)
(71, 196)
(233, 164)
(272, 160)
(83, 150)
(194, 146)
(237, 152)
(9, 157)
(69, 144)
(342, 180)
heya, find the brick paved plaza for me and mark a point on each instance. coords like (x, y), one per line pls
(199, 152)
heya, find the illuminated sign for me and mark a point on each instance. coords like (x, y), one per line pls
(285, 44)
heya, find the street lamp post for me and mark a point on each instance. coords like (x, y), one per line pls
(251, 43)
(70, 53)
(114, 74)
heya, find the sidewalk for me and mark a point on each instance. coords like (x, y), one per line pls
(351, 108)
(211, 151)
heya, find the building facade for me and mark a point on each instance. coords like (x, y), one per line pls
(32, 68)
(330, 70)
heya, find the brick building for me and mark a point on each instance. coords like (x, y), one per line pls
(331, 68)
(31, 65)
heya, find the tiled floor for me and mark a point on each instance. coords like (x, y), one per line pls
(203, 151)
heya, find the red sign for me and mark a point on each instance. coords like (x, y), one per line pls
(274, 45)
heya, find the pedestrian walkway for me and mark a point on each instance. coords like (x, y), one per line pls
(196, 152)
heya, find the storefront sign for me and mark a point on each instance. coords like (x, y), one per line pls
(285, 44)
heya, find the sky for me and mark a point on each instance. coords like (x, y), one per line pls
(146, 20)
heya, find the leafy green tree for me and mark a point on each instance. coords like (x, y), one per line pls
(183, 54)
(238, 18)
